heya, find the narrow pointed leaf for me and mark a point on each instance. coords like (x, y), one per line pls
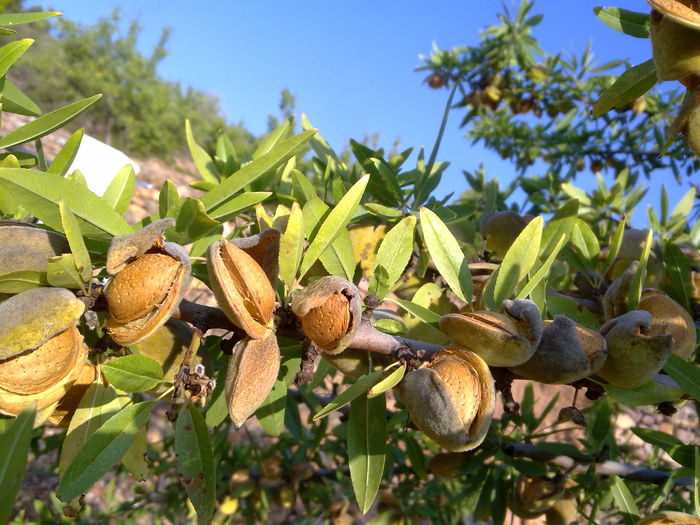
(239, 203)
(272, 139)
(686, 374)
(396, 248)
(624, 501)
(521, 256)
(10, 53)
(418, 311)
(195, 461)
(339, 259)
(63, 161)
(393, 375)
(291, 246)
(133, 373)
(15, 101)
(358, 388)
(202, 160)
(47, 123)
(98, 404)
(121, 189)
(12, 19)
(629, 86)
(334, 223)
(62, 272)
(40, 193)
(271, 413)
(542, 271)
(634, 294)
(367, 447)
(272, 160)
(446, 254)
(14, 447)
(625, 21)
(103, 450)
(169, 202)
(75, 240)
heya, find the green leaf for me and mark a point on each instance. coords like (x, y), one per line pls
(339, 259)
(446, 254)
(134, 460)
(585, 241)
(696, 482)
(239, 203)
(657, 438)
(202, 160)
(393, 374)
(62, 272)
(98, 404)
(291, 246)
(684, 206)
(686, 374)
(396, 248)
(418, 311)
(40, 194)
(217, 407)
(11, 19)
(562, 223)
(75, 240)
(624, 501)
(383, 211)
(272, 160)
(379, 283)
(629, 86)
(358, 388)
(634, 294)
(21, 280)
(334, 223)
(367, 447)
(169, 202)
(679, 274)
(10, 53)
(271, 413)
(272, 139)
(542, 271)
(133, 373)
(47, 123)
(192, 222)
(121, 189)
(103, 450)
(195, 461)
(615, 243)
(625, 21)
(14, 447)
(21, 160)
(650, 393)
(62, 163)
(521, 256)
(15, 101)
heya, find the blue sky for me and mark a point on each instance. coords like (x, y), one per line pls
(350, 64)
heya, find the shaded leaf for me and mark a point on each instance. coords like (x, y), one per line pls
(624, 501)
(21, 280)
(358, 388)
(686, 374)
(103, 450)
(625, 21)
(14, 446)
(232, 208)
(629, 86)
(195, 461)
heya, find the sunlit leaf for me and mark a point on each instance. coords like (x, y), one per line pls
(121, 189)
(133, 373)
(629, 86)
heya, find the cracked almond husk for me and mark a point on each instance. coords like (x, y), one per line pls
(669, 317)
(241, 288)
(330, 311)
(504, 340)
(686, 12)
(252, 372)
(151, 279)
(567, 352)
(452, 399)
(635, 354)
(42, 350)
(532, 496)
